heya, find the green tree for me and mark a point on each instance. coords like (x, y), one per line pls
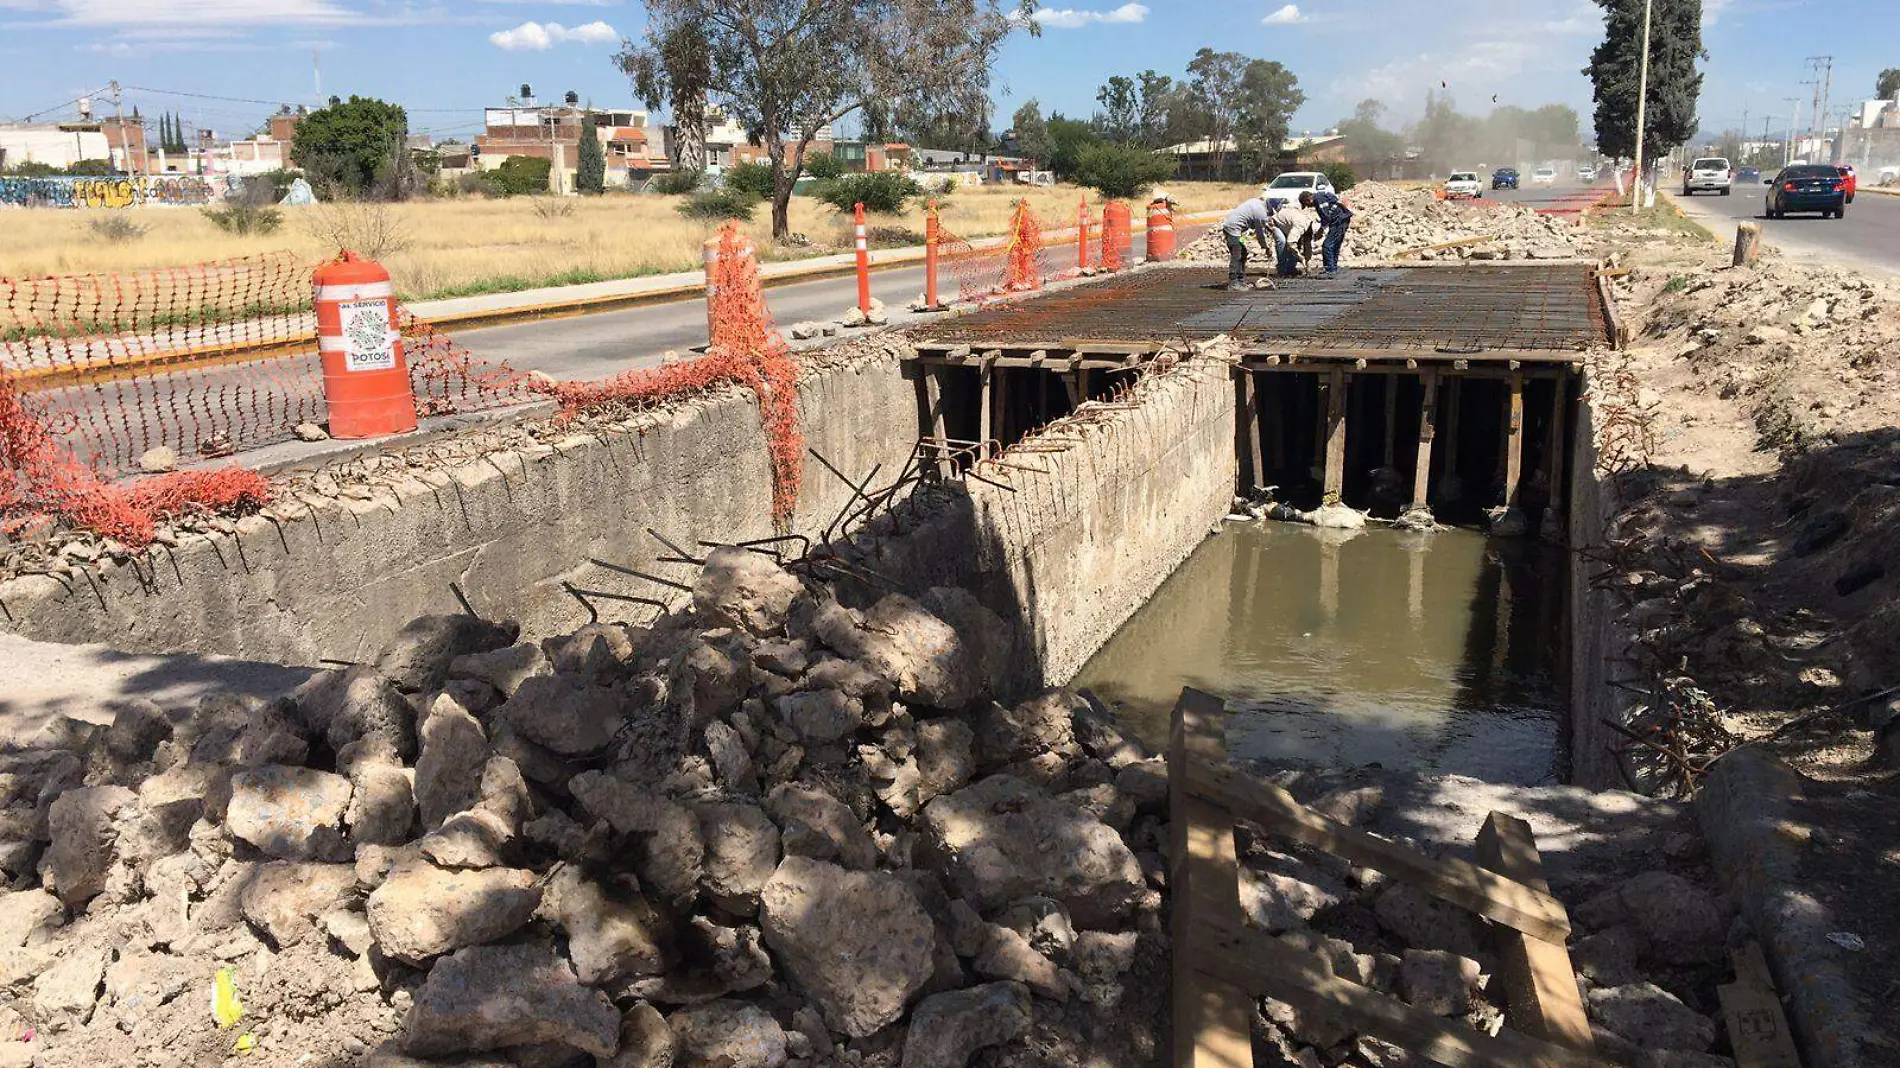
(1674, 82)
(675, 70)
(1068, 138)
(590, 171)
(525, 175)
(1269, 95)
(1122, 171)
(1367, 143)
(1214, 81)
(751, 178)
(1120, 117)
(823, 166)
(1157, 96)
(360, 136)
(1032, 132)
(1887, 85)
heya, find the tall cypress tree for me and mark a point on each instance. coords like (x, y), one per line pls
(590, 170)
(1675, 44)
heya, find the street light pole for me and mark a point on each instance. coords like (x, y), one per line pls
(1642, 107)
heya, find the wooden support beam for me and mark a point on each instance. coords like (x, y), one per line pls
(1554, 453)
(1513, 440)
(1335, 431)
(1212, 1016)
(1391, 418)
(1466, 885)
(1000, 424)
(1454, 392)
(1082, 380)
(1427, 429)
(985, 429)
(939, 434)
(1540, 985)
(1250, 428)
(1757, 1025)
(1264, 965)
(1075, 391)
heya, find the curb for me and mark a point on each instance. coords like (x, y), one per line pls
(1748, 813)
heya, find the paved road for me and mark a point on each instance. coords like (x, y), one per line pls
(1869, 237)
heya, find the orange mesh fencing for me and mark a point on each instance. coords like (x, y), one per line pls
(1024, 267)
(1117, 235)
(1016, 265)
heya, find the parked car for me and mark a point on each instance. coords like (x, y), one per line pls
(1748, 174)
(1504, 178)
(1299, 181)
(1586, 173)
(1708, 174)
(1544, 176)
(1463, 184)
(1808, 187)
(1852, 181)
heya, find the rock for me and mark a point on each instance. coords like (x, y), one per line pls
(1102, 958)
(1008, 955)
(283, 899)
(820, 716)
(292, 813)
(814, 824)
(449, 771)
(344, 706)
(1275, 902)
(492, 997)
(1651, 1017)
(782, 658)
(1039, 725)
(474, 839)
(612, 932)
(66, 992)
(1146, 783)
(668, 851)
(731, 762)
(504, 669)
(1437, 981)
(1096, 731)
(382, 803)
(709, 679)
(1421, 921)
(646, 1040)
(595, 649)
(858, 944)
(1608, 958)
(941, 761)
(350, 929)
(138, 728)
(1764, 334)
(29, 918)
(137, 983)
(946, 1029)
(1043, 924)
(417, 659)
(158, 460)
(570, 720)
(900, 641)
(727, 1034)
(1680, 919)
(742, 852)
(987, 639)
(84, 826)
(1105, 803)
(310, 432)
(744, 589)
(1351, 806)
(1000, 840)
(421, 911)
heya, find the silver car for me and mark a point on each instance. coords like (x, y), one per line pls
(1708, 174)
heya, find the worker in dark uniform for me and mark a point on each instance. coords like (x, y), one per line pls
(1335, 217)
(1255, 217)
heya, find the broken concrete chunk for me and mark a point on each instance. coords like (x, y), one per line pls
(857, 943)
(29, 918)
(492, 997)
(421, 911)
(504, 669)
(1651, 1017)
(814, 824)
(668, 849)
(820, 716)
(947, 1029)
(594, 649)
(65, 993)
(731, 761)
(1437, 981)
(709, 677)
(344, 706)
(900, 641)
(283, 899)
(1422, 921)
(782, 658)
(292, 813)
(1008, 955)
(84, 826)
(1275, 902)
(742, 852)
(1042, 724)
(727, 1034)
(744, 589)
(138, 728)
(1678, 918)
(988, 640)
(1101, 737)
(612, 932)
(383, 804)
(570, 720)
(473, 839)
(646, 1040)
(417, 659)
(1351, 806)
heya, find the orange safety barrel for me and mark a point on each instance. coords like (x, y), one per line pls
(1160, 231)
(1117, 234)
(365, 378)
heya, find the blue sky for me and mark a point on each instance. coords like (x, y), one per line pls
(445, 60)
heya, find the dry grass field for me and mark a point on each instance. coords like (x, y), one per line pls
(440, 248)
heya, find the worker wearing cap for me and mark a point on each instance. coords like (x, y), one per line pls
(1254, 216)
(1335, 216)
(1290, 225)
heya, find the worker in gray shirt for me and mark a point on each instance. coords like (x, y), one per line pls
(1292, 229)
(1255, 216)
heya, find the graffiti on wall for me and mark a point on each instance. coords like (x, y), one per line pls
(179, 190)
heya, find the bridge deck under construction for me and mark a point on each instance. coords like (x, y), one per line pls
(1467, 316)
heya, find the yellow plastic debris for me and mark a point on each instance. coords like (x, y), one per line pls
(246, 1043)
(226, 1009)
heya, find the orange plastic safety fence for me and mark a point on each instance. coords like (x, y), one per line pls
(1024, 252)
(1016, 264)
(1117, 235)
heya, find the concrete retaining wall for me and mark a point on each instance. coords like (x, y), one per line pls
(509, 530)
(1597, 633)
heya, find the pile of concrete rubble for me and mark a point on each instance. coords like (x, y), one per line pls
(1389, 220)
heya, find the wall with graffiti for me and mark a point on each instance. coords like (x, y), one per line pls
(182, 190)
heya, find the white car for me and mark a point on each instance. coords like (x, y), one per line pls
(1586, 173)
(1298, 182)
(1708, 174)
(1544, 176)
(1463, 184)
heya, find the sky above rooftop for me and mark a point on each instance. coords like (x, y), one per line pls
(224, 64)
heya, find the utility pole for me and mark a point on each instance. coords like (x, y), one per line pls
(1794, 120)
(1642, 109)
(118, 120)
(1823, 82)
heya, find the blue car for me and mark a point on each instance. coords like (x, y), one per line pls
(1504, 178)
(1748, 174)
(1808, 187)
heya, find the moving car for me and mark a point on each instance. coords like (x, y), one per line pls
(1808, 187)
(1852, 181)
(1463, 184)
(1748, 174)
(1708, 173)
(1504, 178)
(1586, 173)
(1544, 176)
(1299, 181)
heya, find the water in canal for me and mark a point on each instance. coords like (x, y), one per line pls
(1436, 653)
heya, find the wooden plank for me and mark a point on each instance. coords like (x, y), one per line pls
(1000, 424)
(1391, 418)
(1212, 1017)
(1554, 453)
(1513, 439)
(1464, 884)
(1264, 965)
(1757, 1025)
(984, 428)
(1427, 429)
(1250, 423)
(1335, 428)
(1540, 984)
(1075, 392)
(939, 435)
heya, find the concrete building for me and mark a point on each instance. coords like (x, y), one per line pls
(1214, 160)
(121, 142)
(635, 150)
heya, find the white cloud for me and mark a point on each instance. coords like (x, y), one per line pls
(123, 14)
(541, 36)
(1287, 16)
(1068, 18)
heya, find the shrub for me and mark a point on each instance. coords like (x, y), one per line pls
(481, 183)
(31, 169)
(753, 178)
(720, 204)
(524, 175)
(881, 191)
(116, 229)
(91, 168)
(246, 219)
(553, 207)
(824, 166)
(675, 183)
(368, 229)
(1121, 171)
(1340, 174)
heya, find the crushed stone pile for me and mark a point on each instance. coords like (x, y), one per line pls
(1389, 220)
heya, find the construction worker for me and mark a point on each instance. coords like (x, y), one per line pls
(1253, 216)
(1291, 225)
(1335, 216)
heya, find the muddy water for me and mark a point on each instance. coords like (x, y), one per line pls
(1428, 652)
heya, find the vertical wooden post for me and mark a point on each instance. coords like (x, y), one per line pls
(1513, 440)
(1427, 417)
(1539, 984)
(1554, 456)
(984, 426)
(939, 434)
(1391, 418)
(999, 425)
(1335, 482)
(1454, 393)
(1211, 1017)
(1250, 421)
(1082, 384)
